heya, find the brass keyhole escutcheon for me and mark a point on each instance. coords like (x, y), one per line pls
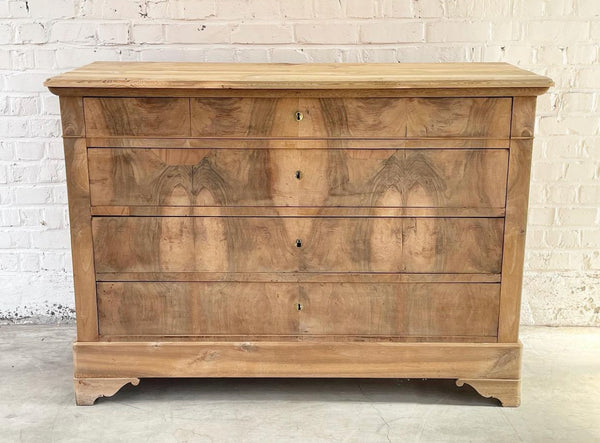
(298, 175)
(299, 116)
(298, 243)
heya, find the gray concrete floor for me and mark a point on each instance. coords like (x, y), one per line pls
(561, 401)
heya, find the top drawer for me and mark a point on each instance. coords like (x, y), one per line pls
(148, 117)
(292, 117)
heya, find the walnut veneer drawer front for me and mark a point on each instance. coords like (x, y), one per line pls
(291, 117)
(287, 244)
(401, 310)
(351, 117)
(458, 178)
(313, 220)
(162, 117)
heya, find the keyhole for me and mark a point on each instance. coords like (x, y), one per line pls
(299, 116)
(298, 175)
(299, 306)
(298, 243)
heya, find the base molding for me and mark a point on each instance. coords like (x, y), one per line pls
(88, 390)
(102, 368)
(297, 359)
(507, 391)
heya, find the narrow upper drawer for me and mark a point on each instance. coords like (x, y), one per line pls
(458, 117)
(292, 117)
(351, 117)
(150, 117)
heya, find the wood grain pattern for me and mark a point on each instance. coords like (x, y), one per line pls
(204, 308)
(297, 277)
(162, 117)
(299, 143)
(215, 233)
(507, 391)
(459, 117)
(73, 120)
(350, 117)
(88, 390)
(303, 338)
(298, 359)
(295, 211)
(427, 309)
(244, 117)
(244, 244)
(513, 252)
(508, 91)
(361, 178)
(145, 308)
(322, 76)
(523, 117)
(80, 220)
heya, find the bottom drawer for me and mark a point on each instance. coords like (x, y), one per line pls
(249, 308)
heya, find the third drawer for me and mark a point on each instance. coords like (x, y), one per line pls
(297, 244)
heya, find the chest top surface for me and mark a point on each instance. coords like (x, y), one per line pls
(140, 75)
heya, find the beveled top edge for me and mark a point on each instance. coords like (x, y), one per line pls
(277, 76)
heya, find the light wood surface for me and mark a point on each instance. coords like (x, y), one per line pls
(298, 220)
(296, 211)
(307, 338)
(248, 244)
(298, 359)
(350, 117)
(166, 117)
(429, 178)
(142, 75)
(88, 390)
(513, 253)
(298, 277)
(277, 143)
(200, 308)
(515, 225)
(73, 120)
(80, 219)
(507, 391)
(292, 117)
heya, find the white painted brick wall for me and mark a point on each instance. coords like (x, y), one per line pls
(559, 38)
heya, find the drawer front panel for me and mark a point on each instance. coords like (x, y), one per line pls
(151, 117)
(459, 117)
(196, 308)
(287, 244)
(351, 117)
(460, 178)
(244, 117)
(290, 117)
(205, 308)
(425, 310)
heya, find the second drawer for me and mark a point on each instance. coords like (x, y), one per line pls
(445, 178)
(290, 244)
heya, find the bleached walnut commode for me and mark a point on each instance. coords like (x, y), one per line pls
(251, 220)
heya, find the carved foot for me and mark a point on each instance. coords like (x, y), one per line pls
(507, 391)
(87, 390)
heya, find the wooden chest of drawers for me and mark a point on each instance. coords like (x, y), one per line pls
(297, 221)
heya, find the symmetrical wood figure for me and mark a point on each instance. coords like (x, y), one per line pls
(298, 220)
